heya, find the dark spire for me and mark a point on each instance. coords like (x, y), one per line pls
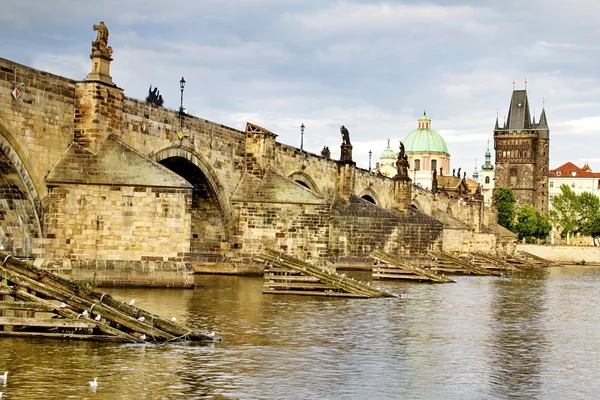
(543, 124)
(519, 117)
(496, 127)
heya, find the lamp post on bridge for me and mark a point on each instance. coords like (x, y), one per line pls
(302, 137)
(181, 86)
(370, 153)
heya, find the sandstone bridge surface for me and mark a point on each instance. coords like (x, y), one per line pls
(106, 187)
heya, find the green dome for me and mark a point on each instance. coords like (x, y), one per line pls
(425, 139)
(388, 152)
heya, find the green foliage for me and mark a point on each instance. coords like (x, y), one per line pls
(532, 224)
(505, 200)
(572, 213)
(564, 213)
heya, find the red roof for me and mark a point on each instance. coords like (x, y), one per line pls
(570, 170)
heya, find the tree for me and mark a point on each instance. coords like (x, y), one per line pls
(564, 213)
(532, 224)
(588, 208)
(505, 200)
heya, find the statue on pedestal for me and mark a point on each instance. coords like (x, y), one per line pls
(345, 135)
(402, 163)
(100, 45)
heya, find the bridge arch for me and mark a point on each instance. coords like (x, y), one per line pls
(211, 211)
(22, 205)
(302, 178)
(370, 195)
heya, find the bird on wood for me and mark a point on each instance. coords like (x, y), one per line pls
(98, 317)
(141, 319)
(173, 319)
(94, 383)
(85, 313)
(143, 337)
(132, 302)
(4, 377)
(212, 334)
(62, 305)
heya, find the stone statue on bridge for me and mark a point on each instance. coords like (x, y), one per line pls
(434, 182)
(345, 135)
(402, 163)
(100, 45)
(325, 152)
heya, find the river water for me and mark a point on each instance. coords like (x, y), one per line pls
(531, 335)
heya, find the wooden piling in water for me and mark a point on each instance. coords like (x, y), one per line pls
(396, 268)
(288, 275)
(74, 308)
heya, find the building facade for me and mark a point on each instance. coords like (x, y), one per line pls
(426, 151)
(578, 179)
(522, 153)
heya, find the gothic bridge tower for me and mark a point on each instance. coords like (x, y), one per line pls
(522, 153)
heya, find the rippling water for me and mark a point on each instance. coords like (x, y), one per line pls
(531, 335)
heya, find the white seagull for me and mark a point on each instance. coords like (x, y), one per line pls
(173, 319)
(212, 334)
(62, 305)
(4, 377)
(132, 302)
(94, 383)
(143, 337)
(98, 317)
(84, 313)
(141, 319)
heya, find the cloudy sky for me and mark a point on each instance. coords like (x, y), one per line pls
(370, 65)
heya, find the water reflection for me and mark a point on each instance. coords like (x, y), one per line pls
(518, 342)
(531, 335)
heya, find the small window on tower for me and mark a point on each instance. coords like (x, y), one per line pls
(551, 184)
(514, 176)
(434, 165)
(417, 165)
(487, 180)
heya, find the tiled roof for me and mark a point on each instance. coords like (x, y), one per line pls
(570, 170)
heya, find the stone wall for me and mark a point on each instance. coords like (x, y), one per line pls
(97, 222)
(358, 227)
(564, 254)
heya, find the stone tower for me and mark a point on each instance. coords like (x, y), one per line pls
(522, 153)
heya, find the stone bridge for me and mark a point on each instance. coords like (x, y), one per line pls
(91, 180)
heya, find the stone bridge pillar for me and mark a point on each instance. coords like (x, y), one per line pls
(402, 194)
(98, 102)
(260, 149)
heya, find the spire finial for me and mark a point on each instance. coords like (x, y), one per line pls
(388, 142)
(543, 102)
(514, 81)
(525, 83)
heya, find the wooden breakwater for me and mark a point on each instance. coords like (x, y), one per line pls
(396, 268)
(38, 303)
(288, 275)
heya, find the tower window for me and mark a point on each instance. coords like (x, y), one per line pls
(551, 184)
(524, 154)
(434, 165)
(417, 165)
(514, 176)
(487, 179)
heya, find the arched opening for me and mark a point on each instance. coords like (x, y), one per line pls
(20, 205)
(369, 195)
(487, 179)
(303, 184)
(414, 207)
(368, 198)
(208, 228)
(304, 180)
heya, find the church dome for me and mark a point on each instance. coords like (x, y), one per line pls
(424, 139)
(388, 152)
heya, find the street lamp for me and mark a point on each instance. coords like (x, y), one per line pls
(370, 153)
(181, 86)
(302, 136)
